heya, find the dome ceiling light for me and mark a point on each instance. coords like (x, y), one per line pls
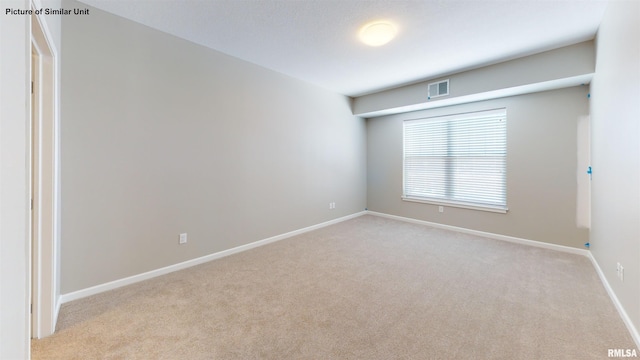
(377, 33)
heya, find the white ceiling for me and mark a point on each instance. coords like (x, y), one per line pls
(316, 40)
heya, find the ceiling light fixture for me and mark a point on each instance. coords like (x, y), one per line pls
(377, 33)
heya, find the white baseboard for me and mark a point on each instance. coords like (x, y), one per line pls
(623, 314)
(512, 239)
(65, 298)
(57, 311)
(162, 271)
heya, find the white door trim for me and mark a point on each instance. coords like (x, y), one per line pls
(44, 219)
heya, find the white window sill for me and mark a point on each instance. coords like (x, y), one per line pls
(495, 209)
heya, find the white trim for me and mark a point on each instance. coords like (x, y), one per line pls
(65, 298)
(623, 314)
(44, 167)
(57, 185)
(461, 205)
(154, 273)
(57, 310)
(566, 249)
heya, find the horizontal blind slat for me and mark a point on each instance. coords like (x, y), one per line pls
(457, 157)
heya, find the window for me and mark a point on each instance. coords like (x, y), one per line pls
(457, 160)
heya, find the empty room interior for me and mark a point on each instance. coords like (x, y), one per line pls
(320, 179)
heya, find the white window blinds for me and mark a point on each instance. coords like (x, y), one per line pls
(457, 159)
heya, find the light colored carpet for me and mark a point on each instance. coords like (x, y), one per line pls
(367, 288)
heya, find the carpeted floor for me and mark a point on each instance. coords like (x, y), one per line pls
(367, 288)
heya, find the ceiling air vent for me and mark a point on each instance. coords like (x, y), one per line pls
(440, 88)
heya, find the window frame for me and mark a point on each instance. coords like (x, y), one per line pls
(496, 112)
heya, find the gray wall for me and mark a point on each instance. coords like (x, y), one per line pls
(541, 176)
(615, 116)
(161, 136)
(550, 70)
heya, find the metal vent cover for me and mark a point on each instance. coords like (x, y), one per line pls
(437, 89)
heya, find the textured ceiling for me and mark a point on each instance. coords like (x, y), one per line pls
(316, 40)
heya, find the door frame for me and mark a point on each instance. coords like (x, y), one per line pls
(44, 220)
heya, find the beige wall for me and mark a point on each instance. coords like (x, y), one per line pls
(161, 136)
(615, 152)
(541, 176)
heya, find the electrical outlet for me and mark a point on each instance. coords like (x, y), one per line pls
(183, 238)
(620, 272)
(332, 205)
(441, 209)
